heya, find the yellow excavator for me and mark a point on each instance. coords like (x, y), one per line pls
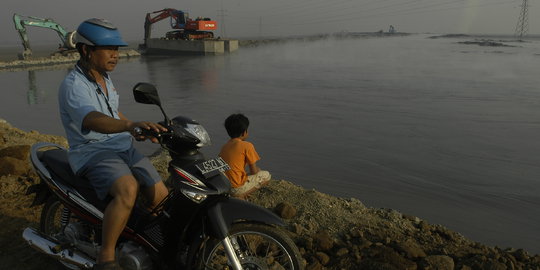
(21, 21)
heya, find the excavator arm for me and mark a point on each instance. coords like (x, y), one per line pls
(178, 20)
(68, 38)
(186, 28)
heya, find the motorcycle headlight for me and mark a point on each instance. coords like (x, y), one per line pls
(196, 197)
(199, 132)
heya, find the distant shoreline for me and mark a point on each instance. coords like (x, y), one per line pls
(9, 52)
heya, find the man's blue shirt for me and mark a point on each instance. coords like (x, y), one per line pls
(79, 95)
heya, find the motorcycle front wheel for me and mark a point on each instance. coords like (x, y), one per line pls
(258, 247)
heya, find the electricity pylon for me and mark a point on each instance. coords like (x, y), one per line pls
(221, 14)
(523, 25)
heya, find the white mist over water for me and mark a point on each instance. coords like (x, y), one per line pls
(430, 127)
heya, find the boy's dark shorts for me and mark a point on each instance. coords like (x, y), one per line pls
(107, 166)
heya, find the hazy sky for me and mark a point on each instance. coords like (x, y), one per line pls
(253, 18)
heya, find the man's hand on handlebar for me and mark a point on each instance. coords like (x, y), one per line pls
(146, 130)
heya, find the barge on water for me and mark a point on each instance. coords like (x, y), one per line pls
(179, 46)
(189, 35)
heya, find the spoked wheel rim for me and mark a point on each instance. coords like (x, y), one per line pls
(50, 221)
(256, 250)
(51, 224)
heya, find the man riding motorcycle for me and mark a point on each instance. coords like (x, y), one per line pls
(101, 146)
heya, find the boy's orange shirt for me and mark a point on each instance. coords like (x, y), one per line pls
(238, 154)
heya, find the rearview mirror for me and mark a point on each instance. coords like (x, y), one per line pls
(146, 93)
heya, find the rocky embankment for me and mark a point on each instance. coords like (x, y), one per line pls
(332, 233)
(54, 59)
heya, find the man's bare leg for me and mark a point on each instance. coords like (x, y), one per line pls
(155, 194)
(124, 193)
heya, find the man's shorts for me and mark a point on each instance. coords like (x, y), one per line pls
(104, 168)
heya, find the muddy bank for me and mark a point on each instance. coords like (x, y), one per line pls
(56, 59)
(332, 233)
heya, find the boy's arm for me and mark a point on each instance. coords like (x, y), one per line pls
(253, 169)
(251, 159)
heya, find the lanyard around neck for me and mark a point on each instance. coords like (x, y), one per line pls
(80, 68)
(98, 89)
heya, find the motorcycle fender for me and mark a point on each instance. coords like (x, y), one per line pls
(225, 213)
(42, 193)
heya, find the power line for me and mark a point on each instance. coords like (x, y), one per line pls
(360, 11)
(337, 5)
(260, 27)
(347, 11)
(349, 16)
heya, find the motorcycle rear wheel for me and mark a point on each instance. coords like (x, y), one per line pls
(51, 215)
(258, 246)
(51, 223)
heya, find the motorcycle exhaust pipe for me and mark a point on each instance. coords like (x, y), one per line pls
(37, 241)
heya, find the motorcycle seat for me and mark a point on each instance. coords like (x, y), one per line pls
(57, 162)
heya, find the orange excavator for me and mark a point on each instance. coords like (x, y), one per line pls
(186, 28)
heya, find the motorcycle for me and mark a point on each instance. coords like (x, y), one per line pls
(198, 226)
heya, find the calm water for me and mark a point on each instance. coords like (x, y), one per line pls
(445, 131)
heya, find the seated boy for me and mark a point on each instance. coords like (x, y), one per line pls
(238, 154)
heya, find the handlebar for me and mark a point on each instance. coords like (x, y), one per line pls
(175, 136)
(151, 133)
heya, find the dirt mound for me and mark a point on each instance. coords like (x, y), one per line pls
(15, 214)
(332, 233)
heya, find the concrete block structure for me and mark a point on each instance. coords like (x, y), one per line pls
(177, 46)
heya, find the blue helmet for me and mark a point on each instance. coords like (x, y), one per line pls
(99, 32)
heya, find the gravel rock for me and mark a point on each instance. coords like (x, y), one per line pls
(285, 210)
(332, 233)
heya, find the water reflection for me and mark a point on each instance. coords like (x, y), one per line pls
(37, 92)
(37, 95)
(185, 72)
(32, 94)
